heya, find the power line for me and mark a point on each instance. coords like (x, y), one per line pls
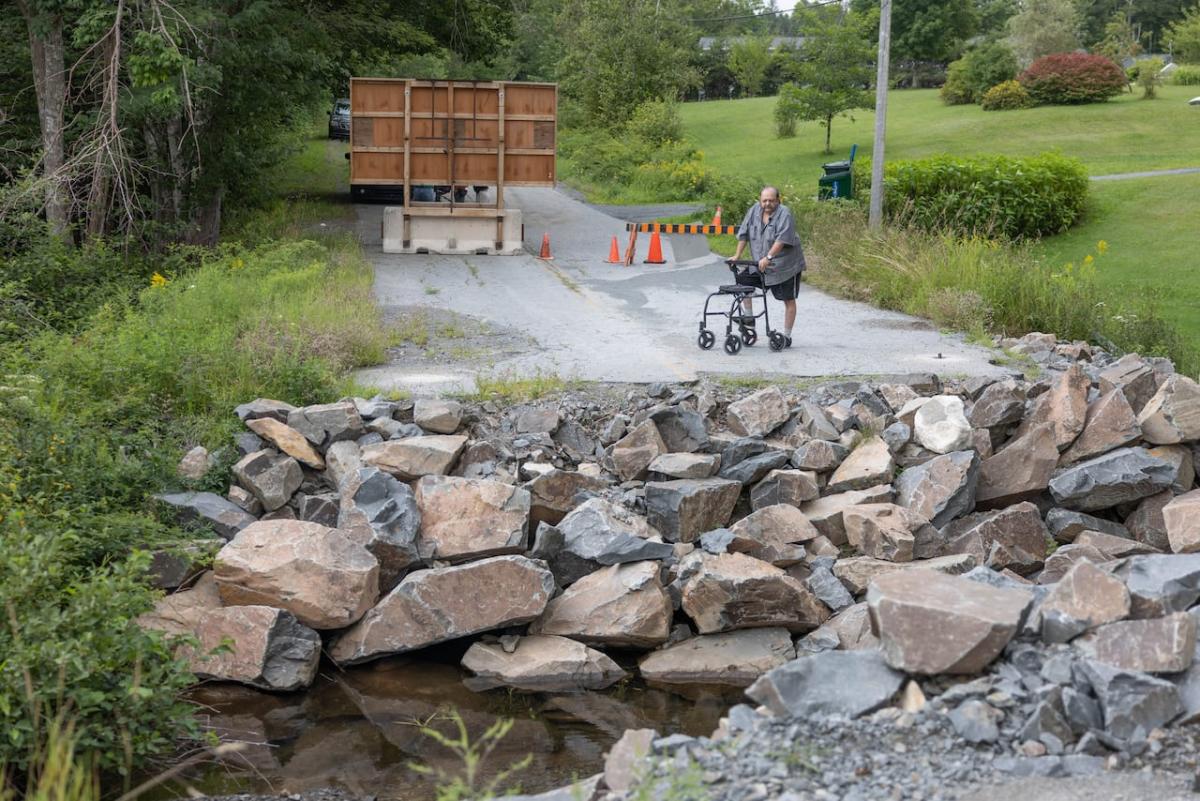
(765, 13)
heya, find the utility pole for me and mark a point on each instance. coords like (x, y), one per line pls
(875, 218)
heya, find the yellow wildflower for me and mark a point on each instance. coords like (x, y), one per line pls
(158, 280)
(1101, 247)
(237, 264)
(1088, 259)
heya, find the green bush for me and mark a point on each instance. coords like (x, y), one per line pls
(787, 110)
(988, 195)
(1186, 75)
(978, 70)
(1005, 96)
(656, 121)
(1149, 77)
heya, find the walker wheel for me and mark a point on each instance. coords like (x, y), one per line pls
(777, 341)
(706, 340)
(749, 336)
(733, 344)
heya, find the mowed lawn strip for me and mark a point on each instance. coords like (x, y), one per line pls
(1126, 134)
(1152, 227)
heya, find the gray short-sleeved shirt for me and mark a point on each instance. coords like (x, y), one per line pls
(780, 228)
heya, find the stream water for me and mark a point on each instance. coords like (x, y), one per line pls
(359, 729)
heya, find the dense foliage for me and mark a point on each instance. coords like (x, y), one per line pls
(1005, 96)
(1184, 36)
(1186, 75)
(978, 70)
(1069, 78)
(989, 195)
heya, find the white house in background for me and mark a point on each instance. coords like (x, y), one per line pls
(790, 42)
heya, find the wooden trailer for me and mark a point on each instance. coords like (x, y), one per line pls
(407, 133)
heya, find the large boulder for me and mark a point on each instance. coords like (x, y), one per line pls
(868, 465)
(686, 465)
(621, 605)
(1182, 520)
(940, 425)
(470, 518)
(256, 645)
(288, 440)
(1173, 414)
(319, 574)
(1160, 584)
(733, 591)
(755, 468)
(837, 683)
(1084, 598)
(380, 513)
(412, 457)
(1014, 538)
(634, 452)
(758, 414)
(263, 407)
(683, 510)
(826, 513)
(681, 428)
(1020, 471)
(327, 423)
(887, 531)
(540, 663)
(792, 487)
(270, 476)
(597, 534)
(819, 455)
(1133, 703)
(929, 623)
(735, 658)
(1063, 408)
(445, 603)
(1162, 645)
(1116, 477)
(1111, 424)
(1134, 377)
(553, 493)
(1066, 524)
(858, 572)
(208, 509)
(1001, 404)
(438, 415)
(942, 488)
(773, 534)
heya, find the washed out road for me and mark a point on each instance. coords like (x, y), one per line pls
(579, 318)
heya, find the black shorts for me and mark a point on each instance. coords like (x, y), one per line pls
(785, 291)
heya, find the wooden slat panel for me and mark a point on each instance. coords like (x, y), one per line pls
(367, 166)
(529, 169)
(524, 99)
(371, 95)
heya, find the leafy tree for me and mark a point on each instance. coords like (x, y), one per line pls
(833, 72)
(1184, 36)
(926, 31)
(1120, 39)
(749, 58)
(1043, 27)
(993, 16)
(619, 54)
(978, 70)
(1149, 77)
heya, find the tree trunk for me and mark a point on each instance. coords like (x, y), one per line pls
(50, 85)
(207, 229)
(828, 133)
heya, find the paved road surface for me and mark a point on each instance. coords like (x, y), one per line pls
(581, 318)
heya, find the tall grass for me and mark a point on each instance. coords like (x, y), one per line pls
(985, 286)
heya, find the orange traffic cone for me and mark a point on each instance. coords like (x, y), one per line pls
(545, 253)
(656, 256)
(614, 253)
(717, 217)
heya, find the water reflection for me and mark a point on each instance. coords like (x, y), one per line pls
(359, 730)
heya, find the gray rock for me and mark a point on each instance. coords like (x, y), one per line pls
(682, 428)
(263, 407)
(248, 442)
(1013, 538)
(1065, 525)
(819, 455)
(270, 476)
(594, 535)
(942, 488)
(1160, 584)
(843, 683)
(320, 508)
(327, 423)
(437, 415)
(380, 513)
(717, 540)
(208, 509)
(1001, 404)
(575, 440)
(976, 721)
(376, 407)
(754, 468)
(685, 465)
(1133, 703)
(897, 435)
(1118, 477)
(682, 510)
(791, 487)
(829, 589)
(536, 420)
(1081, 711)
(1046, 719)
(758, 414)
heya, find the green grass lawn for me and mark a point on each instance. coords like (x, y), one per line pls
(1126, 134)
(1152, 227)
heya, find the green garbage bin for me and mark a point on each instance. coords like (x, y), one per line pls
(837, 182)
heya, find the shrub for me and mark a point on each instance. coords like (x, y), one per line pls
(1004, 96)
(787, 111)
(981, 68)
(1186, 75)
(656, 122)
(1149, 77)
(990, 195)
(1069, 78)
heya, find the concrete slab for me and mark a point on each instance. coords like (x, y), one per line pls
(599, 322)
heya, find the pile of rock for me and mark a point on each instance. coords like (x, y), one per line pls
(816, 547)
